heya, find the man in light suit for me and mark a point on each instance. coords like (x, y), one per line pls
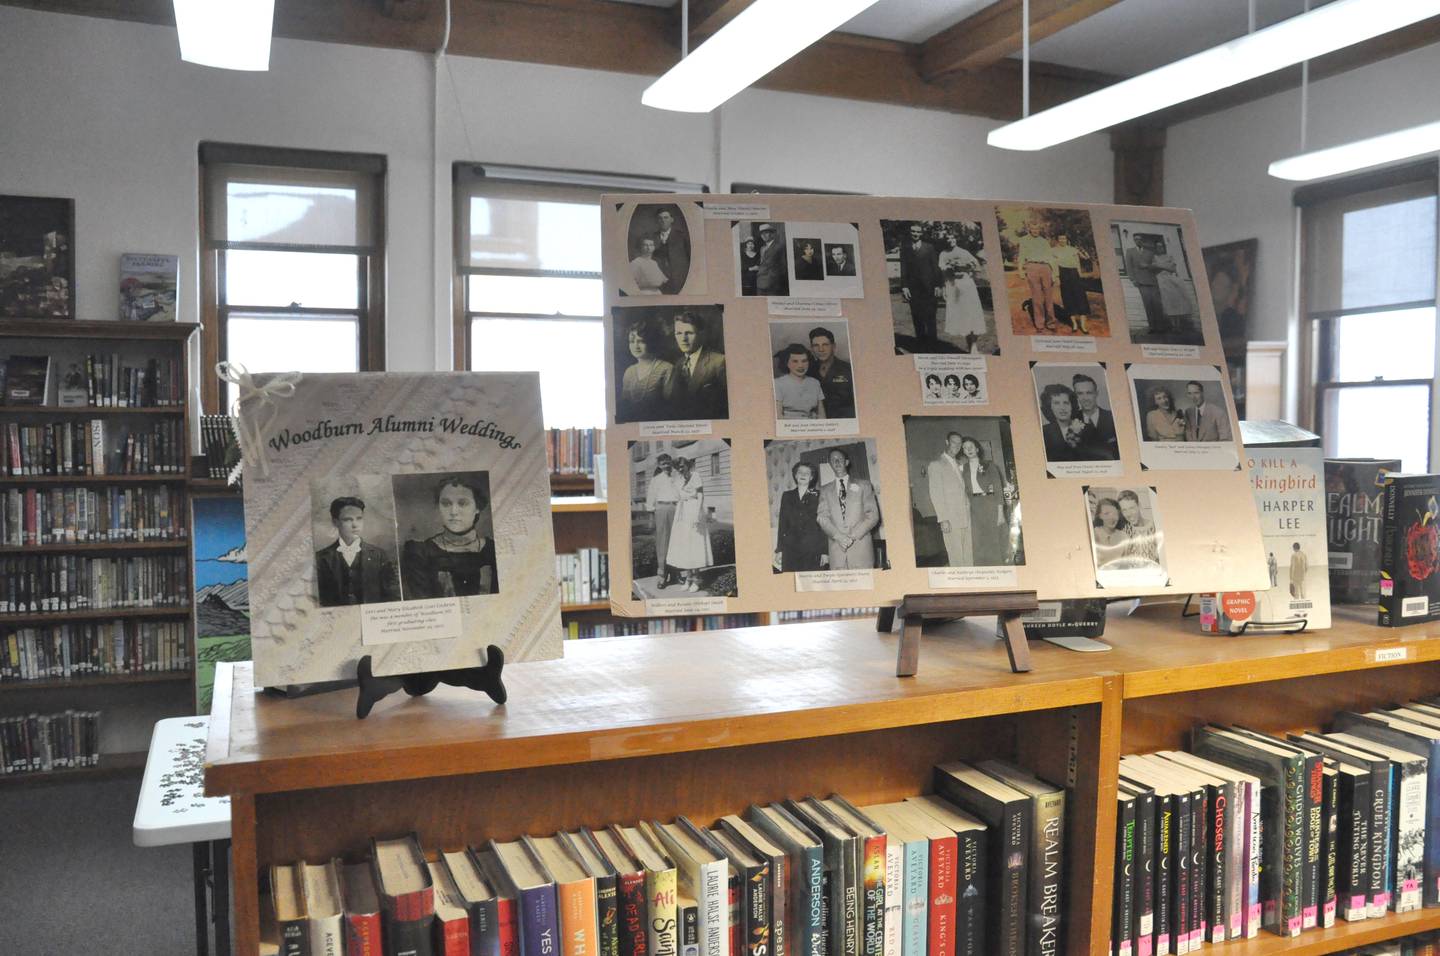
(773, 277)
(1204, 421)
(700, 384)
(1098, 438)
(952, 503)
(847, 514)
(672, 251)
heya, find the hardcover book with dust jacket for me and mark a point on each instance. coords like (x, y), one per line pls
(1353, 491)
(400, 516)
(1410, 550)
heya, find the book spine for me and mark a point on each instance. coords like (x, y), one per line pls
(1410, 837)
(1122, 923)
(508, 917)
(780, 908)
(539, 922)
(872, 886)
(894, 915)
(294, 938)
(1382, 857)
(1199, 869)
(943, 906)
(1292, 901)
(577, 918)
(607, 915)
(1354, 881)
(758, 918)
(1389, 604)
(735, 913)
(1237, 879)
(972, 878)
(810, 913)
(849, 922)
(485, 928)
(634, 933)
(689, 929)
(452, 937)
(1164, 835)
(916, 900)
(1143, 878)
(1015, 839)
(663, 938)
(409, 937)
(327, 937)
(1217, 851)
(712, 898)
(1311, 881)
(1181, 875)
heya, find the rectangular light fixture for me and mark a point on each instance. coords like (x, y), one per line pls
(1305, 37)
(763, 36)
(1361, 154)
(228, 34)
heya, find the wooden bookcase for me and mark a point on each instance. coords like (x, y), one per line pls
(130, 703)
(704, 724)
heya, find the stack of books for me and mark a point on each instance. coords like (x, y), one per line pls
(572, 451)
(39, 742)
(1252, 831)
(974, 870)
(218, 442)
(584, 576)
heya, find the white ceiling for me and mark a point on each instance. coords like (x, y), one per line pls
(1128, 38)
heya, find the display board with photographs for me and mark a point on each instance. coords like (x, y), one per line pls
(404, 516)
(879, 397)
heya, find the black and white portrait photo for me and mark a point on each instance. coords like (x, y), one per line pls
(953, 380)
(663, 258)
(682, 519)
(762, 266)
(964, 496)
(447, 526)
(809, 259)
(813, 378)
(1126, 536)
(37, 266)
(1078, 420)
(940, 298)
(824, 505)
(1160, 303)
(839, 259)
(669, 363)
(352, 524)
(1184, 419)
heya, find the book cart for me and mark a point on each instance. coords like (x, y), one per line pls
(130, 702)
(704, 724)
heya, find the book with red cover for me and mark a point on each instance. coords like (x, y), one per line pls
(633, 916)
(362, 910)
(507, 911)
(407, 895)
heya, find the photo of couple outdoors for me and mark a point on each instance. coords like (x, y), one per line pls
(824, 506)
(1125, 533)
(1160, 300)
(940, 299)
(1052, 271)
(669, 364)
(964, 497)
(682, 519)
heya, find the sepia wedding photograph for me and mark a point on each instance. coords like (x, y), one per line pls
(447, 526)
(940, 295)
(1127, 539)
(1078, 419)
(1184, 419)
(813, 378)
(669, 363)
(762, 263)
(1052, 271)
(824, 505)
(352, 525)
(663, 258)
(682, 519)
(1161, 307)
(964, 495)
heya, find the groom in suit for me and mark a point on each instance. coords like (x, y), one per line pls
(1098, 438)
(350, 571)
(672, 251)
(847, 514)
(1204, 421)
(700, 384)
(951, 501)
(921, 283)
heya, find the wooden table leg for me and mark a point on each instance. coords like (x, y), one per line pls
(885, 620)
(220, 894)
(908, 658)
(200, 860)
(1016, 644)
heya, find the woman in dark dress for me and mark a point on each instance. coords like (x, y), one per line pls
(459, 561)
(749, 266)
(989, 505)
(800, 542)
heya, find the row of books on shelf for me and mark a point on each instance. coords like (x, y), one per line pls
(97, 380)
(84, 448)
(36, 743)
(66, 515)
(584, 576)
(1252, 831)
(1421, 944)
(93, 649)
(218, 442)
(829, 614)
(659, 625)
(36, 584)
(973, 870)
(570, 451)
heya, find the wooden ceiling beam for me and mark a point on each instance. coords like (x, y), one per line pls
(708, 16)
(994, 33)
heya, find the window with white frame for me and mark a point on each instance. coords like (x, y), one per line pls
(1369, 287)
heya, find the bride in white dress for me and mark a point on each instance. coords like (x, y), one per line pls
(964, 316)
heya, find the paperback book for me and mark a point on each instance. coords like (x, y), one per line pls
(1410, 551)
(149, 287)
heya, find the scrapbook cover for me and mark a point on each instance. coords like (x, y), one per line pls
(403, 516)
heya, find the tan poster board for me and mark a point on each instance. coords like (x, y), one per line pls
(850, 399)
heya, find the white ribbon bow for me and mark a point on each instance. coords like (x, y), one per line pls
(252, 430)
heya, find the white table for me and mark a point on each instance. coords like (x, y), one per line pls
(173, 809)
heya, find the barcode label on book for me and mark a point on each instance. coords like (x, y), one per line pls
(1341, 560)
(1415, 606)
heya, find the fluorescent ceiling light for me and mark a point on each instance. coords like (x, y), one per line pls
(1305, 37)
(229, 34)
(1361, 154)
(763, 36)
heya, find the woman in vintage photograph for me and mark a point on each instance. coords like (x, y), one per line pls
(970, 385)
(460, 560)
(800, 545)
(1164, 422)
(649, 277)
(1073, 297)
(1110, 533)
(647, 386)
(964, 316)
(797, 395)
(1063, 430)
(690, 535)
(934, 390)
(1143, 545)
(808, 264)
(989, 505)
(953, 391)
(749, 265)
(1177, 297)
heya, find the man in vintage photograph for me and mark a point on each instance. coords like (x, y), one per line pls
(772, 278)
(836, 378)
(700, 389)
(951, 501)
(349, 571)
(672, 251)
(1204, 420)
(661, 496)
(921, 283)
(840, 263)
(1140, 266)
(1099, 424)
(848, 513)
(1299, 566)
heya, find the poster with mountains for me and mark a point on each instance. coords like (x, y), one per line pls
(222, 589)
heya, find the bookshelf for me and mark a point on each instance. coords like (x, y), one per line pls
(720, 719)
(130, 703)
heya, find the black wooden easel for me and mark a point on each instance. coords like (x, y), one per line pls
(916, 609)
(375, 689)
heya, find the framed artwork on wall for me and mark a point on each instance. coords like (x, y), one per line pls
(1231, 271)
(37, 261)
